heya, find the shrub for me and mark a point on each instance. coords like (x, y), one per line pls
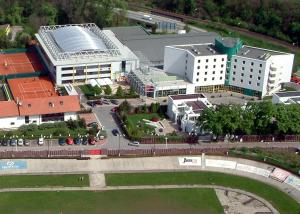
(28, 128)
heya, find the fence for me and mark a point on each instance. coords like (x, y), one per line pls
(44, 154)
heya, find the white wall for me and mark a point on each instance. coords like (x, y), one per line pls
(174, 61)
(70, 116)
(6, 122)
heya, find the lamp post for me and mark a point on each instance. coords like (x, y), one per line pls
(166, 142)
(119, 146)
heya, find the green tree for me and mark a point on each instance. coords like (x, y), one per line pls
(14, 14)
(125, 107)
(131, 91)
(22, 39)
(49, 12)
(97, 90)
(107, 90)
(120, 92)
(189, 6)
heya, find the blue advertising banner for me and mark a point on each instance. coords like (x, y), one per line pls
(4, 165)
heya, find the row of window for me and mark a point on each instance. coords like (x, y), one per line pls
(81, 73)
(250, 76)
(205, 73)
(205, 79)
(251, 69)
(206, 67)
(207, 60)
(85, 67)
(242, 81)
(252, 63)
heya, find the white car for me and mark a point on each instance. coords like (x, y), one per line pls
(147, 17)
(134, 143)
(40, 141)
(20, 142)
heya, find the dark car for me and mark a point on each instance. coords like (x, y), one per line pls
(92, 140)
(77, 141)
(61, 141)
(98, 102)
(13, 142)
(105, 102)
(84, 141)
(116, 102)
(115, 132)
(93, 125)
(5, 142)
(91, 103)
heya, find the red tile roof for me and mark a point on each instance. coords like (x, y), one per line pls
(8, 109)
(49, 105)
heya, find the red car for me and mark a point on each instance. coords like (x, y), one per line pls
(69, 141)
(114, 109)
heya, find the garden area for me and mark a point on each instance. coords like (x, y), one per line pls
(96, 92)
(55, 130)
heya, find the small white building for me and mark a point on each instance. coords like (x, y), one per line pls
(76, 53)
(38, 111)
(184, 110)
(291, 97)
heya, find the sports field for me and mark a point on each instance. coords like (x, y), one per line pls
(14, 63)
(183, 201)
(35, 87)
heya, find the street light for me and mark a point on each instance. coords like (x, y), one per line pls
(166, 142)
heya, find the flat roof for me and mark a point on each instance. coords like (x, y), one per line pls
(17, 63)
(296, 100)
(257, 53)
(124, 33)
(187, 96)
(200, 50)
(151, 47)
(36, 87)
(197, 106)
(288, 94)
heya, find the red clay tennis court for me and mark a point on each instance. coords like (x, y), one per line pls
(36, 87)
(13, 63)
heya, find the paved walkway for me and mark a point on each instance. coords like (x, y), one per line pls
(107, 188)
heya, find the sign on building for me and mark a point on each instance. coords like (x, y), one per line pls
(189, 161)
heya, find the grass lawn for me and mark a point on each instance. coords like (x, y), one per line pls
(175, 201)
(135, 118)
(15, 181)
(280, 200)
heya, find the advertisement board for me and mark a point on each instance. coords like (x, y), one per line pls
(189, 161)
(5, 165)
(293, 181)
(220, 163)
(253, 169)
(279, 174)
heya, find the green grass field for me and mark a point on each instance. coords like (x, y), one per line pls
(280, 200)
(23, 181)
(181, 201)
(135, 118)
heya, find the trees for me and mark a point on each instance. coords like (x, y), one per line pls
(107, 90)
(120, 92)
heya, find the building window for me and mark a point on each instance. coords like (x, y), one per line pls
(235, 60)
(250, 76)
(214, 72)
(223, 59)
(199, 60)
(243, 68)
(213, 78)
(260, 65)
(205, 73)
(12, 123)
(205, 79)
(249, 82)
(259, 71)
(221, 78)
(215, 60)
(206, 60)
(242, 80)
(221, 72)
(234, 66)
(214, 66)
(222, 66)
(186, 61)
(26, 119)
(252, 63)
(258, 78)
(198, 67)
(34, 121)
(197, 80)
(234, 73)
(197, 73)
(244, 62)
(251, 70)
(242, 74)
(258, 84)
(206, 66)
(233, 79)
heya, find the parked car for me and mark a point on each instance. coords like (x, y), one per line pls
(116, 102)
(40, 141)
(84, 141)
(26, 143)
(91, 103)
(114, 109)
(93, 125)
(115, 132)
(77, 141)
(5, 142)
(98, 102)
(92, 140)
(134, 143)
(105, 102)
(62, 141)
(69, 141)
(20, 142)
(13, 142)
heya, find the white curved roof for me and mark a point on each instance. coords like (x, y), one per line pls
(76, 39)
